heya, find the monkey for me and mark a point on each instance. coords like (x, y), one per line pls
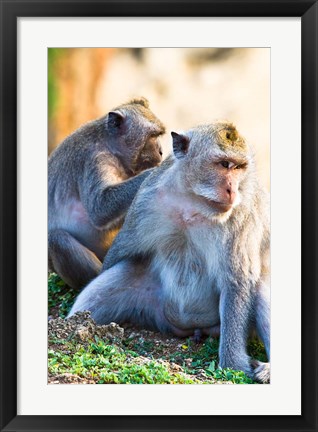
(93, 176)
(193, 253)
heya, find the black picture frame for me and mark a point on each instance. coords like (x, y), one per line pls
(10, 11)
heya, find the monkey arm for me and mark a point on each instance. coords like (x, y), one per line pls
(114, 201)
(139, 222)
(105, 197)
(235, 309)
(131, 242)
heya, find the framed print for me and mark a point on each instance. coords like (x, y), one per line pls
(287, 31)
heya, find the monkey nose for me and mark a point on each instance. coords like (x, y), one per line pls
(230, 195)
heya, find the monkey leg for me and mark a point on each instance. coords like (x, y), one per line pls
(126, 292)
(262, 318)
(72, 261)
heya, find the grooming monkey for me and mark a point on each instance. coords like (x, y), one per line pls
(193, 254)
(93, 177)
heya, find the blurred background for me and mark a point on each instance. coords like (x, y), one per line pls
(185, 87)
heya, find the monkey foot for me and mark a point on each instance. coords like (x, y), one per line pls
(197, 336)
(213, 331)
(261, 372)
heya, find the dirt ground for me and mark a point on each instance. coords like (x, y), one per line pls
(149, 345)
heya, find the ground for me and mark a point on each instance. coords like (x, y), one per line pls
(81, 352)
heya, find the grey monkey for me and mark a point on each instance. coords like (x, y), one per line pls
(93, 176)
(193, 254)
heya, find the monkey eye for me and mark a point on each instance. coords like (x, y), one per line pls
(227, 164)
(241, 166)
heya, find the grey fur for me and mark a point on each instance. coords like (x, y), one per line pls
(180, 263)
(93, 176)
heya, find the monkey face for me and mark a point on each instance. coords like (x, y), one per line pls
(224, 179)
(149, 156)
(135, 133)
(215, 165)
(218, 182)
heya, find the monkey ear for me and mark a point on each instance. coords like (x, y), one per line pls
(180, 144)
(115, 119)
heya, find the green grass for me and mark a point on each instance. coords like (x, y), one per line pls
(60, 295)
(206, 358)
(192, 358)
(256, 350)
(107, 364)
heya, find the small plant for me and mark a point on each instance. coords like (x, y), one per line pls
(256, 350)
(60, 295)
(206, 358)
(237, 377)
(107, 364)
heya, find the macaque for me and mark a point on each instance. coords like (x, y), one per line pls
(93, 176)
(193, 254)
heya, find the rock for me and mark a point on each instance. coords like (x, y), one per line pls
(82, 327)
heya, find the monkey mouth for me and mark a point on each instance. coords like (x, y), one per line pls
(145, 164)
(222, 207)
